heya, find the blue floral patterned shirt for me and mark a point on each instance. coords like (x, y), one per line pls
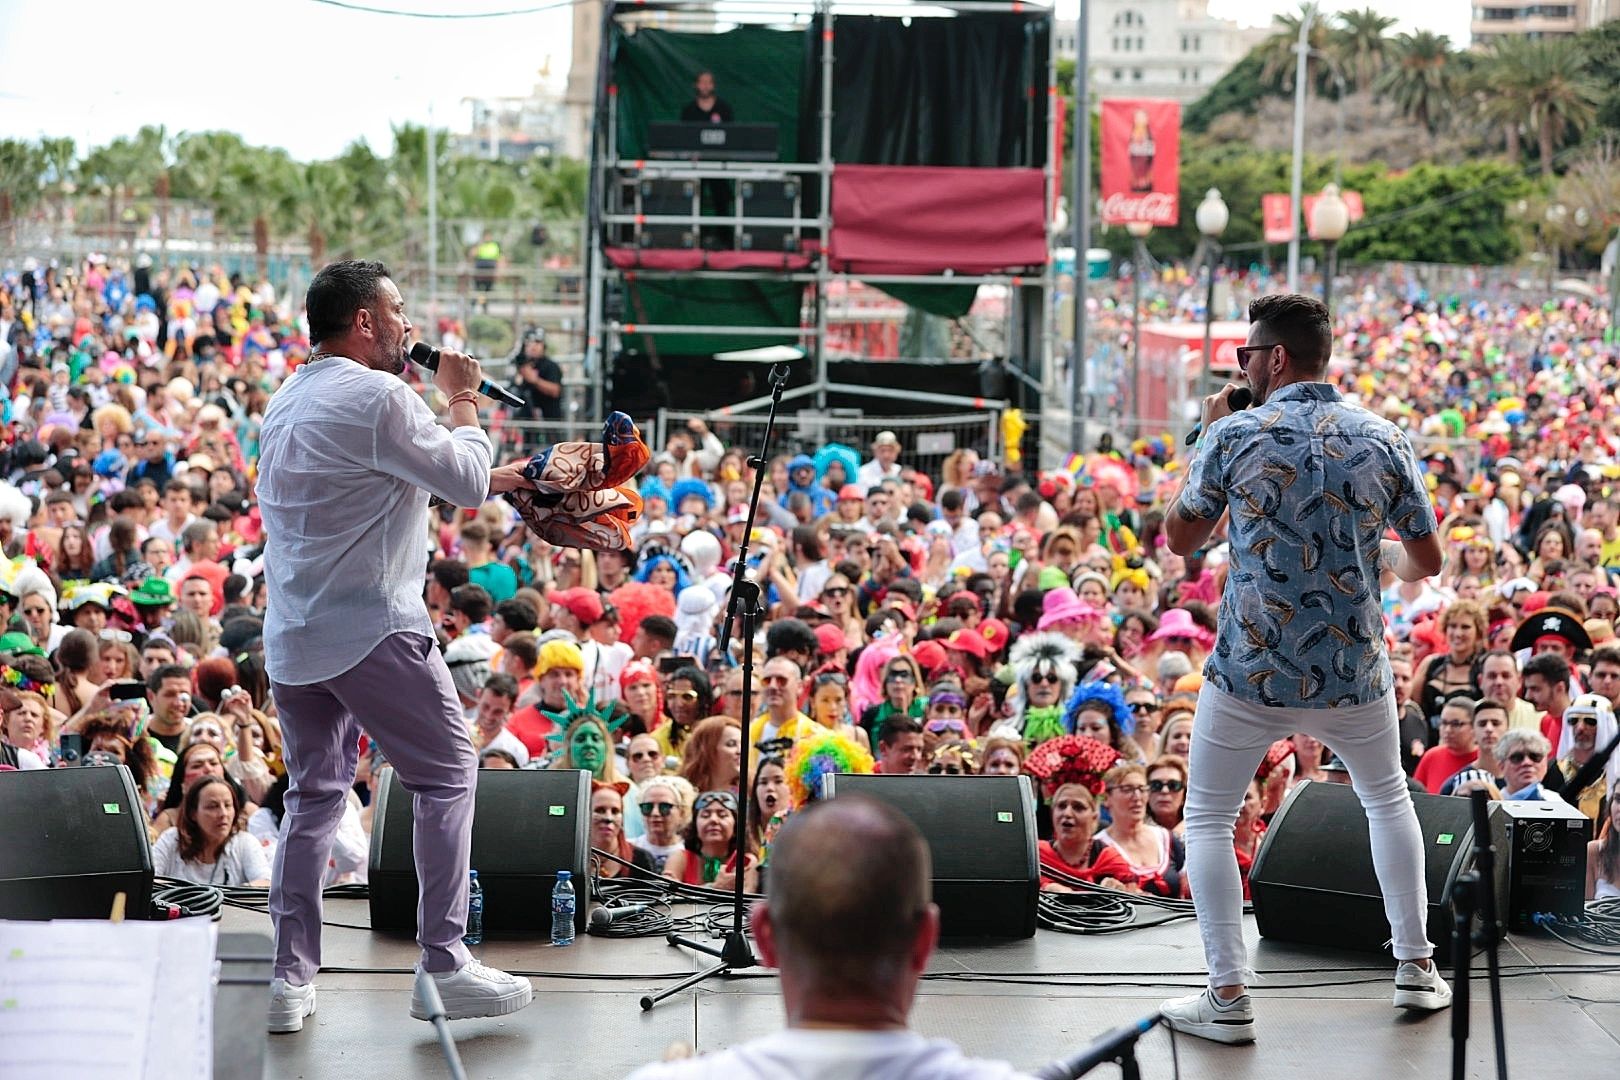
(1312, 484)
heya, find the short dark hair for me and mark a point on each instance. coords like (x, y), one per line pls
(472, 601)
(1605, 654)
(1549, 666)
(1299, 323)
(502, 685)
(338, 291)
(450, 574)
(525, 646)
(897, 725)
(661, 627)
(517, 614)
(167, 671)
(790, 635)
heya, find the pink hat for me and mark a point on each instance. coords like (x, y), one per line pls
(1178, 622)
(1061, 605)
(851, 493)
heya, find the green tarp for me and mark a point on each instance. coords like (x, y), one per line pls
(757, 71)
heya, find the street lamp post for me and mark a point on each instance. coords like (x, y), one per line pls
(1139, 231)
(1557, 213)
(1211, 217)
(1330, 220)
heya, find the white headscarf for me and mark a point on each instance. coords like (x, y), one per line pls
(1591, 705)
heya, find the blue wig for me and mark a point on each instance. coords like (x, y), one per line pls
(646, 569)
(1106, 694)
(652, 487)
(841, 453)
(689, 488)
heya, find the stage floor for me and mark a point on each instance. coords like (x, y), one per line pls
(1318, 1011)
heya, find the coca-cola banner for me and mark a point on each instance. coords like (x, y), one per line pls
(1141, 161)
(1277, 218)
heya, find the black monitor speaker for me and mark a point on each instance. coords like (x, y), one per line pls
(1313, 880)
(75, 838)
(1542, 846)
(527, 825)
(981, 836)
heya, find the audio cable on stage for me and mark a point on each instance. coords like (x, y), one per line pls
(1599, 926)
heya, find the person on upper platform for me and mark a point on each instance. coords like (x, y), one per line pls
(706, 107)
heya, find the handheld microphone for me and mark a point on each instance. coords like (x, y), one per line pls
(605, 916)
(1241, 399)
(428, 357)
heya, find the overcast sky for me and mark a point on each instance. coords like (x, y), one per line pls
(311, 77)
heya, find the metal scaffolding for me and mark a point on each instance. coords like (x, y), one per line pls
(615, 211)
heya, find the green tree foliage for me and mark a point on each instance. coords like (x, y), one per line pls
(1464, 216)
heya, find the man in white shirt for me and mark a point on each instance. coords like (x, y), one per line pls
(176, 512)
(885, 463)
(348, 456)
(494, 706)
(852, 861)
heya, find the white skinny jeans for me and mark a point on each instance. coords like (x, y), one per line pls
(1230, 737)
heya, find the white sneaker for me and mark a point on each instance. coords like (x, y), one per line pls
(289, 1005)
(474, 990)
(1417, 988)
(1207, 1017)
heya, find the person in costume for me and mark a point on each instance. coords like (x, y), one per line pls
(584, 739)
(1044, 667)
(1098, 711)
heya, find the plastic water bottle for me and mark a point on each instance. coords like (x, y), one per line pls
(475, 911)
(562, 910)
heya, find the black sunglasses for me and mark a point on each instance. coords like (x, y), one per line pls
(1144, 706)
(1166, 785)
(665, 808)
(1041, 677)
(1243, 352)
(944, 770)
(1519, 757)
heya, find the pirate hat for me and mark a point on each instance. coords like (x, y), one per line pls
(1552, 622)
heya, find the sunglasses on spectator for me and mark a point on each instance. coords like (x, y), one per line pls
(645, 755)
(944, 770)
(774, 680)
(1144, 706)
(899, 676)
(648, 809)
(1589, 721)
(836, 590)
(946, 724)
(1046, 676)
(1519, 757)
(1160, 786)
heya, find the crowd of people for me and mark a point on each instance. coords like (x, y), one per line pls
(988, 619)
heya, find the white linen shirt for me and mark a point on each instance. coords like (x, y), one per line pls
(347, 458)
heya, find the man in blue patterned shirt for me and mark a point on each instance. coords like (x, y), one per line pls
(1311, 484)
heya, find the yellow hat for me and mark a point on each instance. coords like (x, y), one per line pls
(559, 654)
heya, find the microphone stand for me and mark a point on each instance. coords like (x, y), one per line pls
(435, 1009)
(1117, 1047)
(1475, 893)
(744, 605)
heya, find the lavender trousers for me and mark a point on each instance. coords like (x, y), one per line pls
(401, 695)
(1230, 738)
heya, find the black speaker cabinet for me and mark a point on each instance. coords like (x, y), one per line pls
(981, 835)
(527, 825)
(75, 838)
(1542, 847)
(1313, 879)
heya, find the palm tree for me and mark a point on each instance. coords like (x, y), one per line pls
(1361, 43)
(1422, 80)
(1277, 54)
(1561, 96)
(59, 156)
(21, 164)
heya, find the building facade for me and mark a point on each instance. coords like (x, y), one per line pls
(1157, 48)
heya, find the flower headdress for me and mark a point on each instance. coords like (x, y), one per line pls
(1072, 759)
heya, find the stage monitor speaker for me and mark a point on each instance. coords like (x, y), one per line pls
(75, 838)
(1313, 880)
(1541, 848)
(981, 835)
(527, 825)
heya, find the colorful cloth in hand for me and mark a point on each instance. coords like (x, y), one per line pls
(582, 497)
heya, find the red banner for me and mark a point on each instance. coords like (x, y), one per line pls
(1277, 218)
(1141, 162)
(1352, 203)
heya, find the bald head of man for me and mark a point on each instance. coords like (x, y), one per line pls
(851, 861)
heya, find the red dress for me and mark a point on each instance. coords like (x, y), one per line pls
(1105, 862)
